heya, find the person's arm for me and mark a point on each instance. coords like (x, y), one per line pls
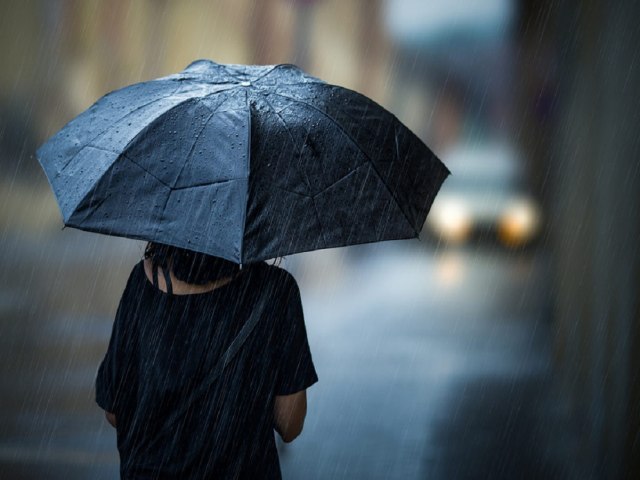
(111, 418)
(289, 412)
(114, 379)
(296, 371)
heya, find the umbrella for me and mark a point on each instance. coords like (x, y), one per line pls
(242, 162)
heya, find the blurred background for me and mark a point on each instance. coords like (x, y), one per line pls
(504, 343)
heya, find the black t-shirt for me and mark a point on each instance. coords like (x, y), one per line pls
(163, 346)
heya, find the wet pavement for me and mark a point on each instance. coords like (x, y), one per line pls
(439, 367)
(431, 364)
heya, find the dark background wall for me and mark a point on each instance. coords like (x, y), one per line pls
(580, 93)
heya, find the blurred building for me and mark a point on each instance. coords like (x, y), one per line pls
(580, 106)
(71, 52)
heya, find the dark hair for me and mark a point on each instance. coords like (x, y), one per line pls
(189, 266)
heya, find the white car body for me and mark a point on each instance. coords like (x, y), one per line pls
(484, 193)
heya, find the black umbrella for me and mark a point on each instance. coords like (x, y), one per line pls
(242, 162)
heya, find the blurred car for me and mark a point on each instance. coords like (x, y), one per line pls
(485, 198)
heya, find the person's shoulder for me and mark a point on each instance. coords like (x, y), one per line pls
(280, 283)
(136, 277)
(137, 272)
(131, 294)
(277, 274)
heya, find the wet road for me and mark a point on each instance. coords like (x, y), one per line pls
(431, 364)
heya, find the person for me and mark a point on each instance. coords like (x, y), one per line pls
(179, 313)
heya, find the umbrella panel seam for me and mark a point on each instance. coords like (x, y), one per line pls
(332, 120)
(133, 139)
(340, 179)
(93, 207)
(302, 174)
(212, 113)
(265, 74)
(322, 228)
(247, 157)
(279, 187)
(90, 142)
(89, 145)
(109, 171)
(208, 184)
(179, 104)
(315, 208)
(137, 135)
(124, 155)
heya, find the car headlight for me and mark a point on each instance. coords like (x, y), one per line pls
(450, 219)
(520, 222)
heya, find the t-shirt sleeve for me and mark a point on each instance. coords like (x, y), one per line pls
(107, 376)
(296, 370)
(114, 372)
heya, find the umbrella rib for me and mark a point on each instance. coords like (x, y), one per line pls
(136, 136)
(194, 142)
(111, 125)
(332, 120)
(339, 180)
(183, 165)
(144, 169)
(217, 182)
(268, 72)
(166, 201)
(93, 209)
(123, 155)
(247, 169)
(293, 142)
(89, 145)
(315, 209)
(302, 174)
(280, 187)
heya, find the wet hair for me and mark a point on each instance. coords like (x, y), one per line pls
(189, 266)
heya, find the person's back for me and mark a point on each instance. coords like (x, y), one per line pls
(168, 339)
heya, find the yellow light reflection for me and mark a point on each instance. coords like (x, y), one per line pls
(450, 269)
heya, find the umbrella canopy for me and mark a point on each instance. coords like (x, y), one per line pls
(242, 162)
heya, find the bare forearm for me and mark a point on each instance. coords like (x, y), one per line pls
(289, 415)
(111, 418)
